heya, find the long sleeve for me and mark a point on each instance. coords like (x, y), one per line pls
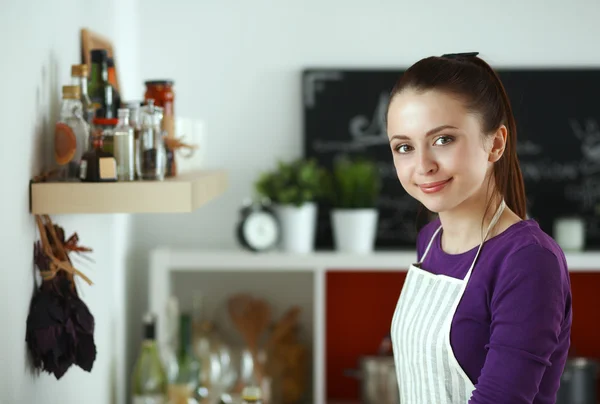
(528, 306)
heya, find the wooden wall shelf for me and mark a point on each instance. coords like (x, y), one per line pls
(184, 193)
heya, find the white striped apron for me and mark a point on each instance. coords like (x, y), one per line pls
(426, 367)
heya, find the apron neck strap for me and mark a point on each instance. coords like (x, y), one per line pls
(487, 232)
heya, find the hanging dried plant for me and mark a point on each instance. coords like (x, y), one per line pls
(60, 328)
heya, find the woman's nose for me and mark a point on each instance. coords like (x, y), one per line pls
(426, 163)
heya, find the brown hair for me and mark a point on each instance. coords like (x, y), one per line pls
(475, 82)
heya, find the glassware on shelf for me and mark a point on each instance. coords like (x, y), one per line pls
(214, 354)
(105, 127)
(101, 92)
(98, 165)
(79, 77)
(184, 383)
(71, 133)
(150, 153)
(162, 94)
(149, 379)
(123, 147)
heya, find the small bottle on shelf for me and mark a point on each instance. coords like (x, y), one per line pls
(98, 165)
(123, 147)
(184, 384)
(79, 77)
(149, 380)
(70, 133)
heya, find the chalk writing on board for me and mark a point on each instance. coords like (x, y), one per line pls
(550, 171)
(315, 82)
(528, 148)
(399, 223)
(586, 193)
(588, 133)
(373, 131)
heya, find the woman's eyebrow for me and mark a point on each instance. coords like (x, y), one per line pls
(429, 133)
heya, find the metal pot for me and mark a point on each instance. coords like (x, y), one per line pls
(378, 380)
(578, 383)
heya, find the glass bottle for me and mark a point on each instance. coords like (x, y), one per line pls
(112, 79)
(163, 95)
(182, 388)
(150, 154)
(149, 379)
(211, 351)
(99, 89)
(123, 147)
(79, 77)
(71, 133)
(98, 165)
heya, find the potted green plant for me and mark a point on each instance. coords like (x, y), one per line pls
(294, 189)
(355, 185)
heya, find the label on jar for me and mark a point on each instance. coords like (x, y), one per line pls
(149, 399)
(108, 168)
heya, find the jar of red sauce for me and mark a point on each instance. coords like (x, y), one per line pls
(161, 91)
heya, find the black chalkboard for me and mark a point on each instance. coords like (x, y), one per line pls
(558, 124)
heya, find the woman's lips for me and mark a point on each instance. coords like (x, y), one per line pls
(433, 187)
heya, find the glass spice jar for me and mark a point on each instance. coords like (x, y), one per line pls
(150, 154)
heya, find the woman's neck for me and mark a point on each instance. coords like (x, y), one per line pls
(462, 226)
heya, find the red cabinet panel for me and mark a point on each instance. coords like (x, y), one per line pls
(360, 305)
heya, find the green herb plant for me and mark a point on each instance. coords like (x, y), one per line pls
(354, 184)
(293, 183)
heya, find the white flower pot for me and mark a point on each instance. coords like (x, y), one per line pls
(354, 230)
(298, 227)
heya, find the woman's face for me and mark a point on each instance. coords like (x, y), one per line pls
(438, 148)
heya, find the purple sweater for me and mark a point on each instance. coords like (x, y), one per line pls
(511, 331)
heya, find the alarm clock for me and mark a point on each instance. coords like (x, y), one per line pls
(258, 228)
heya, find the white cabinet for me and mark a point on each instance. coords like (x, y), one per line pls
(283, 279)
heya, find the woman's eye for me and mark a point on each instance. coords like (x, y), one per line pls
(442, 140)
(403, 148)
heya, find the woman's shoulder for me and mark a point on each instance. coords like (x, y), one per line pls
(524, 245)
(526, 235)
(529, 267)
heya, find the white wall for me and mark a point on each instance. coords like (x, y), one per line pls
(237, 66)
(39, 41)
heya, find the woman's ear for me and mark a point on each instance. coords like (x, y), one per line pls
(498, 144)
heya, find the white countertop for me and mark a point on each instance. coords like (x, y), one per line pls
(237, 259)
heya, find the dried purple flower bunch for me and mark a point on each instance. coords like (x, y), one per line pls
(60, 328)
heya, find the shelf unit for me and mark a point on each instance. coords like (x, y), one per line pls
(167, 263)
(184, 193)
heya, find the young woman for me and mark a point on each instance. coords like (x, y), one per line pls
(484, 316)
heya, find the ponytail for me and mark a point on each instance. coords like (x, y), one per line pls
(507, 171)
